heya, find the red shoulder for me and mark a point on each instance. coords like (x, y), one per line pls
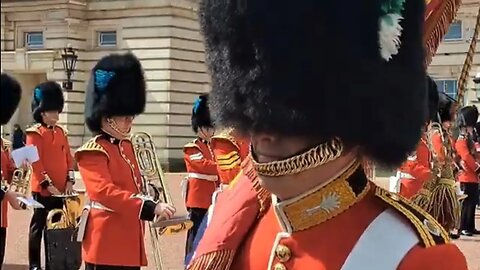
(439, 257)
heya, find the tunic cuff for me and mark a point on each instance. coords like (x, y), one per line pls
(71, 176)
(147, 211)
(46, 182)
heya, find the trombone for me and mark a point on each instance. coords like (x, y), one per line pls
(155, 187)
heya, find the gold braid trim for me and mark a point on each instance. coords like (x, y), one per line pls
(436, 26)
(216, 260)
(92, 146)
(444, 205)
(312, 158)
(426, 228)
(264, 197)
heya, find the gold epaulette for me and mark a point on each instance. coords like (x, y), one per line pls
(191, 145)
(428, 229)
(64, 129)
(6, 145)
(34, 129)
(92, 146)
(226, 134)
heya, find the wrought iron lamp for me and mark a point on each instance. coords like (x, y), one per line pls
(69, 59)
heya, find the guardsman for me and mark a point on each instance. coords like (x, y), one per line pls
(470, 168)
(416, 170)
(303, 200)
(53, 173)
(10, 97)
(113, 235)
(202, 178)
(229, 150)
(446, 116)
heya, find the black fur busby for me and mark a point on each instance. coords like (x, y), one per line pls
(446, 107)
(467, 116)
(201, 113)
(47, 96)
(432, 99)
(11, 93)
(116, 88)
(315, 69)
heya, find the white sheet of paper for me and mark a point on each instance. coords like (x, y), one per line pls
(27, 153)
(30, 202)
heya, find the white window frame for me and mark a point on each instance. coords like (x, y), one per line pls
(443, 80)
(461, 32)
(26, 39)
(99, 39)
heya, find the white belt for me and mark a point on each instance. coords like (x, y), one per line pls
(207, 177)
(99, 206)
(404, 175)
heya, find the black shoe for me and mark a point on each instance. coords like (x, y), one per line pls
(466, 233)
(454, 236)
(35, 268)
(475, 231)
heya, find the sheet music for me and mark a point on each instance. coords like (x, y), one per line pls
(27, 153)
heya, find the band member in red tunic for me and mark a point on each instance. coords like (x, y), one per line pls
(470, 168)
(53, 172)
(303, 200)
(114, 228)
(416, 170)
(202, 178)
(10, 97)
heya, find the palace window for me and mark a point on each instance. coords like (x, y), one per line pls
(107, 39)
(34, 40)
(454, 31)
(448, 86)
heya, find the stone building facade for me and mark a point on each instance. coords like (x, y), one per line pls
(448, 62)
(163, 34)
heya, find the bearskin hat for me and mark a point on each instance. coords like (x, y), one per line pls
(116, 88)
(201, 113)
(11, 93)
(273, 71)
(467, 116)
(432, 99)
(446, 107)
(47, 96)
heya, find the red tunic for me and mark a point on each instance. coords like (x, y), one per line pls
(114, 233)
(415, 171)
(229, 152)
(201, 174)
(321, 229)
(55, 156)
(8, 168)
(470, 167)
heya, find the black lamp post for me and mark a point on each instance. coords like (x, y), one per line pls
(69, 59)
(476, 80)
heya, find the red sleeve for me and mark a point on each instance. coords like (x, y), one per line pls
(10, 167)
(462, 150)
(416, 169)
(196, 162)
(93, 167)
(38, 168)
(438, 146)
(440, 257)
